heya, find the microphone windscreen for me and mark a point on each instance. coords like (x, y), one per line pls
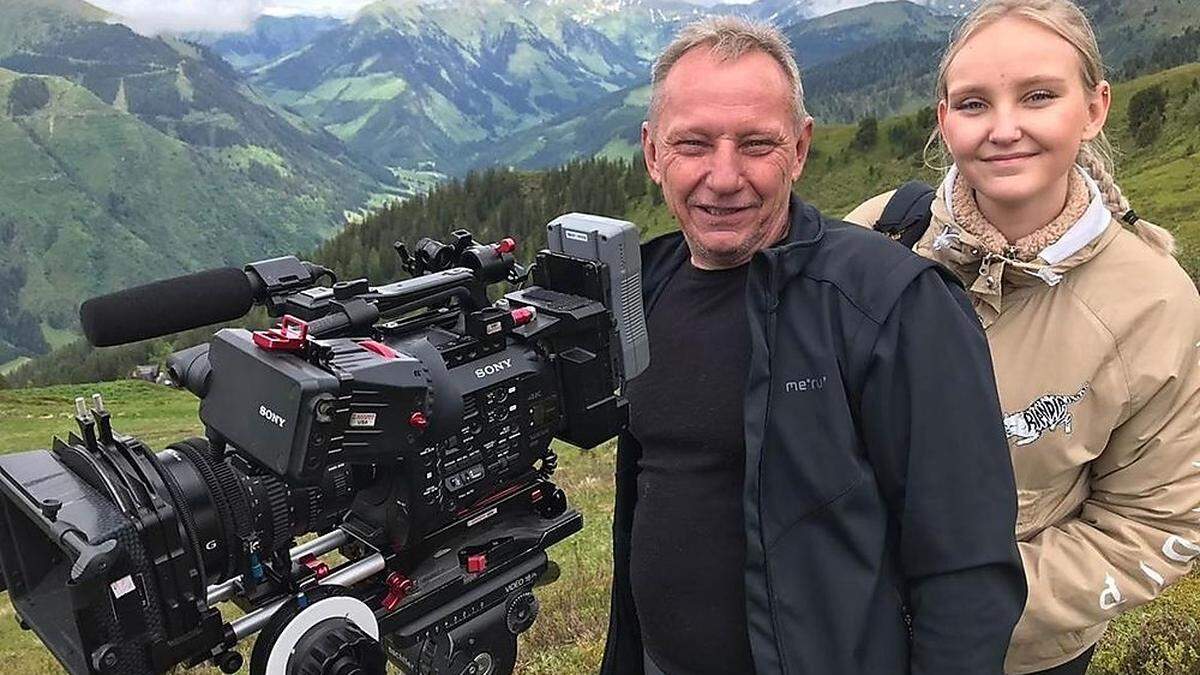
(167, 306)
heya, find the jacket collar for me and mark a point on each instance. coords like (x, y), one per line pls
(1084, 231)
(805, 225)
(989, 276)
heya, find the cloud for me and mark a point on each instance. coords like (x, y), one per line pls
(151, 17)
(342, 9)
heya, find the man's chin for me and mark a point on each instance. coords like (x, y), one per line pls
(721, 254)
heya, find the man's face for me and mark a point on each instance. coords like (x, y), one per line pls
(725, 148)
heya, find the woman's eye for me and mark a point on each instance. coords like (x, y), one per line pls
(969, 105)
(1042, 96)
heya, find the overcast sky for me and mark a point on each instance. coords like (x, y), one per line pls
(152, 16)
(155, 16)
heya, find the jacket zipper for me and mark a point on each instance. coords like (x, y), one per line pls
(905, 612)
(768, 338)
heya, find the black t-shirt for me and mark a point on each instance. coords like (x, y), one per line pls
(689, 540)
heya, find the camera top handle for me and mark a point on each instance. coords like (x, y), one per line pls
(460, 270)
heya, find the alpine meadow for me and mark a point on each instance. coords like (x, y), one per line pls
(130, 156)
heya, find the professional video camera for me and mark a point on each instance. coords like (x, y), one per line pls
(407, 425)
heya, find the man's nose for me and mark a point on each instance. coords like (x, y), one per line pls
(725, 169)
(1006, 126)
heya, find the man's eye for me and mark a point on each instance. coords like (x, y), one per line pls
(759, 147)
(691, 146)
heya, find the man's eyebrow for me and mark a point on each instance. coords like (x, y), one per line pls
(673, 135)
(763, 135)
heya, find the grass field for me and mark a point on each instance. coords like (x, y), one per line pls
(567, 638)
(1162, 639)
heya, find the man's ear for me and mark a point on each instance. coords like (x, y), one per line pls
(803, 143)
(1097, 110)
(650, 153)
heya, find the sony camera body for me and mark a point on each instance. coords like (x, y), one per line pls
(408, 425)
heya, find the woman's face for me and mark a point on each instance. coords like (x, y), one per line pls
(1017, 111)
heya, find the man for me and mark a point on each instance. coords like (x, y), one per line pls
(815, 478)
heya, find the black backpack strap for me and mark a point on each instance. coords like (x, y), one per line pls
(907, 214)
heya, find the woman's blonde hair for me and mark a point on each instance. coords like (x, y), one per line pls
(1066, 20)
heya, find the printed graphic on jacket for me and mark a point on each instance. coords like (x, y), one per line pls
(1045, 414)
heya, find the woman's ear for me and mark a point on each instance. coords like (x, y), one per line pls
(1098, 105)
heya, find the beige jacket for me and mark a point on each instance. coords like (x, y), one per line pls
(1095, 350)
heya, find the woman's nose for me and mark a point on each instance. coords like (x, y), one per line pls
(1006, 126)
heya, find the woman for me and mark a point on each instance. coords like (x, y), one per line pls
(1093, 326)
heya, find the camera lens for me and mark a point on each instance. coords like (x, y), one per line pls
(232, 508)
(214, 499)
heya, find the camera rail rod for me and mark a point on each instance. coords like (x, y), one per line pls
(347, 575)
(317, 546)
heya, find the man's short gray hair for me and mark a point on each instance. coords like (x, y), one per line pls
(729, 37)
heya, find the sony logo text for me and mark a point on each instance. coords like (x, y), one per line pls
(493, 368)
(271, 416)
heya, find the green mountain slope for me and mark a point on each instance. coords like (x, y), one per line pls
(412, 83)
(408, 83)
(269, 38)
(24, 22)
(890, 77)
(608, 127)
(830, 37)
(872, 60)
(125, 158)
(1128, 28)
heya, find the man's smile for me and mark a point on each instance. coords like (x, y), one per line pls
(721, 211)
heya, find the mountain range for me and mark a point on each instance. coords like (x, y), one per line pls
(418, 83)
(870, 60)
(407, 83)
(125, 158)
(269, 38)
(855, 62)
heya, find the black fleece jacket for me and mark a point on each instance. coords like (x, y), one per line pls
(879, 498)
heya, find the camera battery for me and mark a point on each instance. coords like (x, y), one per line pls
(615, 244)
